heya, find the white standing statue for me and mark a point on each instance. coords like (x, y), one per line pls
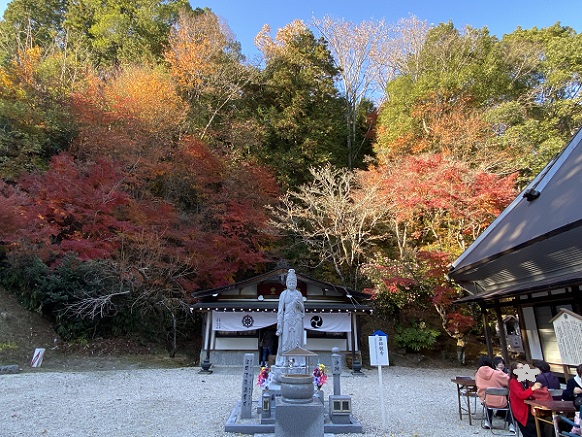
(290, 319)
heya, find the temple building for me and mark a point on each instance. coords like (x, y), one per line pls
(238, 316)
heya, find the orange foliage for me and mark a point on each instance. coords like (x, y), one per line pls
(448, 125)
(148, 96)
(135, 95)
(26, 64)
(453, 126)
(132, 116)
(194, 47)
(19, 82)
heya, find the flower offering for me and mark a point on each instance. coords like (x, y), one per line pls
(263, 378)
(320, 375)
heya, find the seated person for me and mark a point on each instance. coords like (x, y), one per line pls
(546, 377)
(572, 427)
(499, 364)
(573, 386)
(487, 377)
(519, 391)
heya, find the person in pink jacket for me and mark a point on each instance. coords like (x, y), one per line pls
(486, 377)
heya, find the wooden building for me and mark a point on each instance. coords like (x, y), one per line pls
(530, 257)
(237, 316)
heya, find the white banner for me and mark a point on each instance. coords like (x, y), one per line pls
(236, 321)
(328, 322)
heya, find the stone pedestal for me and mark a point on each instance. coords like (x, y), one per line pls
(340, 409)
(305, 420)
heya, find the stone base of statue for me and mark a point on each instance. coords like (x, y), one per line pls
(335, 420)
(299, 419)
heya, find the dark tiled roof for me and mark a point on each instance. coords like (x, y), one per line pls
(536, 242)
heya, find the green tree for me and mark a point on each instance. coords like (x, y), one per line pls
(40, 21)
(299, 106)
(500, 105)
(545, 69)
(452, 75)
(35, 122)
(122, 31)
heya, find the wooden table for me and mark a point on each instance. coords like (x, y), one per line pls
(554, 407)
(465, 388)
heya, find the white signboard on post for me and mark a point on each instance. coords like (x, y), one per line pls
(379, 357)
(378, 350)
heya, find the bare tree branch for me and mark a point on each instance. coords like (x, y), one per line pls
(91, 307)
(334, 218)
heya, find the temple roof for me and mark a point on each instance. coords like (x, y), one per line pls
(536, 242)
(247, 295)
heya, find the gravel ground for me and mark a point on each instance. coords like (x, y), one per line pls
(182, 402)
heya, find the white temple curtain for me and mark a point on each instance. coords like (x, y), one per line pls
(247, 321)
(235, 321)
(327, 322)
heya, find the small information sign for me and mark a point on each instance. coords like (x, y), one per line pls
(37, 357)
(568, 328)
(378, 350)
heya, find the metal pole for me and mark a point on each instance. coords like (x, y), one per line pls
(382, 397)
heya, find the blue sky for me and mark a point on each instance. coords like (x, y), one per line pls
(246, 18)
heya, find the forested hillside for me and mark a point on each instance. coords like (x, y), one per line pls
(142, 157)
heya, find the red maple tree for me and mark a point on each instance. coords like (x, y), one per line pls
(439, 203)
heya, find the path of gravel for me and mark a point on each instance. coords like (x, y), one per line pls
(183, 402)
